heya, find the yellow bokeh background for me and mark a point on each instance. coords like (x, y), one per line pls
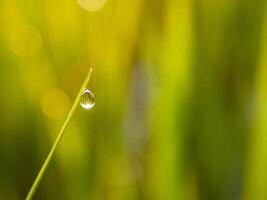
(181, 99)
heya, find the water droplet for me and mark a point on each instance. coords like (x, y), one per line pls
(87, 99)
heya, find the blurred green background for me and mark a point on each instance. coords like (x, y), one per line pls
(181, 99)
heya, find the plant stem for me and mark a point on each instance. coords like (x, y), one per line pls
(58, 139)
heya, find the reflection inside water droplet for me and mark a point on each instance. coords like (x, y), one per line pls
(87, 99)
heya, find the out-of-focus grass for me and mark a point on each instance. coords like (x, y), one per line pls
(256, 178)
(180, 99)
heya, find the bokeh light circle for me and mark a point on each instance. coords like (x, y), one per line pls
(55, 104)
(92, 5)
(25, 41)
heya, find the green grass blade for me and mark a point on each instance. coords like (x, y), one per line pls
(59, 137)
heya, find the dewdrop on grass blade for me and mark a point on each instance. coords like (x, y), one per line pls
(51, 153)
(87, 99)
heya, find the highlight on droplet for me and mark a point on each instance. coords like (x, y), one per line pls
(25, 41)
(55, 104)
(92, 5)
(87, 99)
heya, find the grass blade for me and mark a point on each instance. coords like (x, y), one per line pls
(58, 139)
